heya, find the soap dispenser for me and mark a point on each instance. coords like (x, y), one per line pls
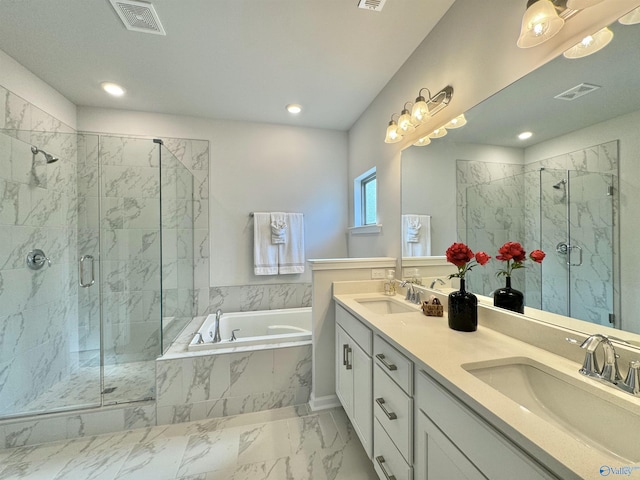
(390, 283)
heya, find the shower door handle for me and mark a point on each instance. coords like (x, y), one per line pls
(572, 248)
(81, 271)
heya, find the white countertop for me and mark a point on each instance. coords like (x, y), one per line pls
(440, 351)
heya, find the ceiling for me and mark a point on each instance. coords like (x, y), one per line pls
(224, 59)
(529, 103)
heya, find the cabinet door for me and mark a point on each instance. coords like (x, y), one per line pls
(362, 396)
(344, 370)
(436, 458)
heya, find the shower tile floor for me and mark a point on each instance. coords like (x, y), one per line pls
(126, 382)
(284, 444)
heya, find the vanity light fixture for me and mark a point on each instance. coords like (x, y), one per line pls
(423, 141)
(293, 108)
(525, 135)
(393, 134)
(422, 109)
(630, 18)
(404, 122)
(459, 121)
(112, 89)
(590, 44)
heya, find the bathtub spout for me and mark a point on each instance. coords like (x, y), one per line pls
(216, 327)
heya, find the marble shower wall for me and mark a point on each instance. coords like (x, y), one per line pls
(245, 298)
(38, 209)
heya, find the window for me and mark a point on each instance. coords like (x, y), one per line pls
(365, 199)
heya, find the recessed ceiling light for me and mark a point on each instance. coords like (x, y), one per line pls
(294, 108)
(525, 135)
(112, 89)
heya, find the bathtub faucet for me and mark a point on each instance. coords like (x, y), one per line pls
(216, 327)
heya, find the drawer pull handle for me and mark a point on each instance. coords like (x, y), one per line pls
(382, 358)
(390, 415)
(344, 354)
(380, 460)
(349, 365)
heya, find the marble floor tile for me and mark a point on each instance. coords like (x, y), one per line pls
(285, 444)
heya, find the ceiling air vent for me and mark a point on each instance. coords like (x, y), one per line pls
(375, 5)
(577, 91)
(138, 16)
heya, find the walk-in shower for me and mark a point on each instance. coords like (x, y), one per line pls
(568, 214)
(96, 268)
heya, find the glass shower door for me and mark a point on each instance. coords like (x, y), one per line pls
(576, 212)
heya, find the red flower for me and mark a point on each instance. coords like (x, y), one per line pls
(482, 258)
(537, 256)
(511, 251)
(459, 254)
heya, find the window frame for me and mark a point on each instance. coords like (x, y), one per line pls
(359, 204)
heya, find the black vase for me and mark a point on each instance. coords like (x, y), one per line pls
(463, 310)
(509, 298)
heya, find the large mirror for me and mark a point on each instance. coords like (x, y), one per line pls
(572, 189)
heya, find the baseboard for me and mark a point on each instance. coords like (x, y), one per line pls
(323, 403)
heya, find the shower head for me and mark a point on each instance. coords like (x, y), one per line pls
(48, 157)
(560, 184)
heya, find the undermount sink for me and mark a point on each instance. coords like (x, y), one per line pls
(385, 305)
(571, 404)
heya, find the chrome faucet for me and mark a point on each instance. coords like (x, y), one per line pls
(609, 371)
(199, 340)
(216, 328)
(439, 280)
(412, 295)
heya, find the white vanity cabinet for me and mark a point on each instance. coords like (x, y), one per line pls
(451, 441)
(354, 374)
(393, 412)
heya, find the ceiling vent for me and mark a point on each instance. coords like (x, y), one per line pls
(138, 16)
(577, 91)
(375, 5)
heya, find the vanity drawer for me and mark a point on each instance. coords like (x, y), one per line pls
(387, 460)
(355, 329)
(394, 410)
(394, 364)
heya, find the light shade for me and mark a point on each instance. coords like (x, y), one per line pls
(459, 121)
(438, 133)
(404, 122)
(420, 111)
(631, 18)
(393, 134)
(539, 23)
(581, 4)
(422, 142)
(590, 44)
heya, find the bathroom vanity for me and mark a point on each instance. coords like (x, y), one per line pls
(429, 402)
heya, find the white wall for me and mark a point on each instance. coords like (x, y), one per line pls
(22, 82)
(473, 48)
(429, 183)
(254, 167)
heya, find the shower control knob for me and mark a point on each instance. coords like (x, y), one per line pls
(562, 248)
(36, 259)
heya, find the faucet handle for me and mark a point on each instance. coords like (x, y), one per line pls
(631, 384)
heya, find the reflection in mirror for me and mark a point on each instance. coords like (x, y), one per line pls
(559, 191)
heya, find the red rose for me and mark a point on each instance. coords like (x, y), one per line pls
(459, 254)
(482, 258)
(537, 256)
(512, 251)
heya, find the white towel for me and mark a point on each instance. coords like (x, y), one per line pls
(291, 253)
(278, 228)
(265, 254)
(416, 235)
